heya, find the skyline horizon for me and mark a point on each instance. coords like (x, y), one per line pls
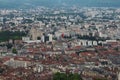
(57, 3)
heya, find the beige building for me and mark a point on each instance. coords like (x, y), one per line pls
(36, 33)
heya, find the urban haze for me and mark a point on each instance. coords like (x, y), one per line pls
(59, 39)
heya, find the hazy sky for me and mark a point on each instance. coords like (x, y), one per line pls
(23, 3)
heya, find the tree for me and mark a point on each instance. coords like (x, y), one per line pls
(63, 76)
(9, 46)
(14, 51)
(100, 79)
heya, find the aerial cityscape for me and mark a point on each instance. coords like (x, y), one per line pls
(59, 40)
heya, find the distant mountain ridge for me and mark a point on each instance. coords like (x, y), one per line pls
(51, 3)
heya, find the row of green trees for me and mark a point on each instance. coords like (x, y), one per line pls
(87, 37)
(70, 76)
(63, 76)
(7, 35)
